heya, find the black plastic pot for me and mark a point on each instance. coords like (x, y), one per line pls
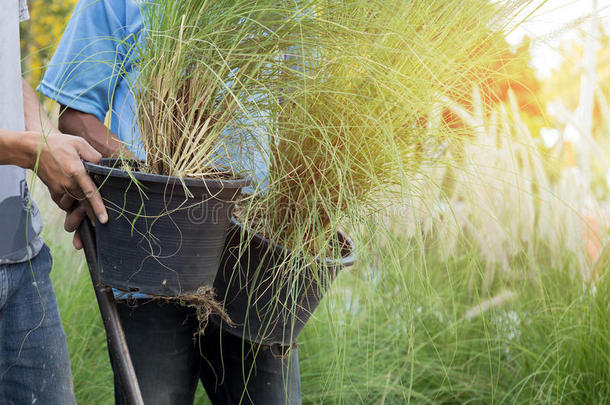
(159, 240)
(262, 305)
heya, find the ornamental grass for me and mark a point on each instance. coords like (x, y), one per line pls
(331, 107)
(354, 114)
(202, 65)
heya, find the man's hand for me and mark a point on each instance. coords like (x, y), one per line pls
(88, 127)
(58, 163)
(57, 159)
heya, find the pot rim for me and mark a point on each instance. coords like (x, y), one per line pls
(114, 171)
(345, 261)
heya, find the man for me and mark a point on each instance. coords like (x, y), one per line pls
(92, 73)
(34, 362)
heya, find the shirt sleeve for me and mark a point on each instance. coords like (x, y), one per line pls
(89, 58)
(23, 11)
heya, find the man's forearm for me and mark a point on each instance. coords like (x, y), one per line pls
(18, 148)
(87, 126)
(36, 118)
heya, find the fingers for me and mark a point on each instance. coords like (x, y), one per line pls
(66, 172)
(65, 202)
(74, 218)
(92, 194)
(86, 151)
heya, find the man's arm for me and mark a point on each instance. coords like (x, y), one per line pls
(18, 148)
(55, 157)
(88, 127)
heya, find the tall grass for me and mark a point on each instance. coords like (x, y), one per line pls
(406, 329)
(504, 193)
(333, 98)
(356, 127)
(201, 67)
(353, 117)
(408, 325)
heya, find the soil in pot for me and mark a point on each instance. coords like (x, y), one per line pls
(161, 239)
(265, 302)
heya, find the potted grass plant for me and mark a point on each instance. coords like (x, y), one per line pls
(199, 65)
(350, 126)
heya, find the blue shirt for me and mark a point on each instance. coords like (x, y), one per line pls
(93, 70)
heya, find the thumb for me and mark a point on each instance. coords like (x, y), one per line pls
(87, 152)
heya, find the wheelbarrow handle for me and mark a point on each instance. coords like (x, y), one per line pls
(117, 345)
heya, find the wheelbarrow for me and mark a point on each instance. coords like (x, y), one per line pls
(115, 337)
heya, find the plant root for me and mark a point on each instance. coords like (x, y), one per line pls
(205, 304)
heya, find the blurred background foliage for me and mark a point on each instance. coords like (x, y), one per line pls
(41, 34)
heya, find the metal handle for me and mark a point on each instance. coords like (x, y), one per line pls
(117, 345)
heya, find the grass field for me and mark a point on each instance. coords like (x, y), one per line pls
(406, 326)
